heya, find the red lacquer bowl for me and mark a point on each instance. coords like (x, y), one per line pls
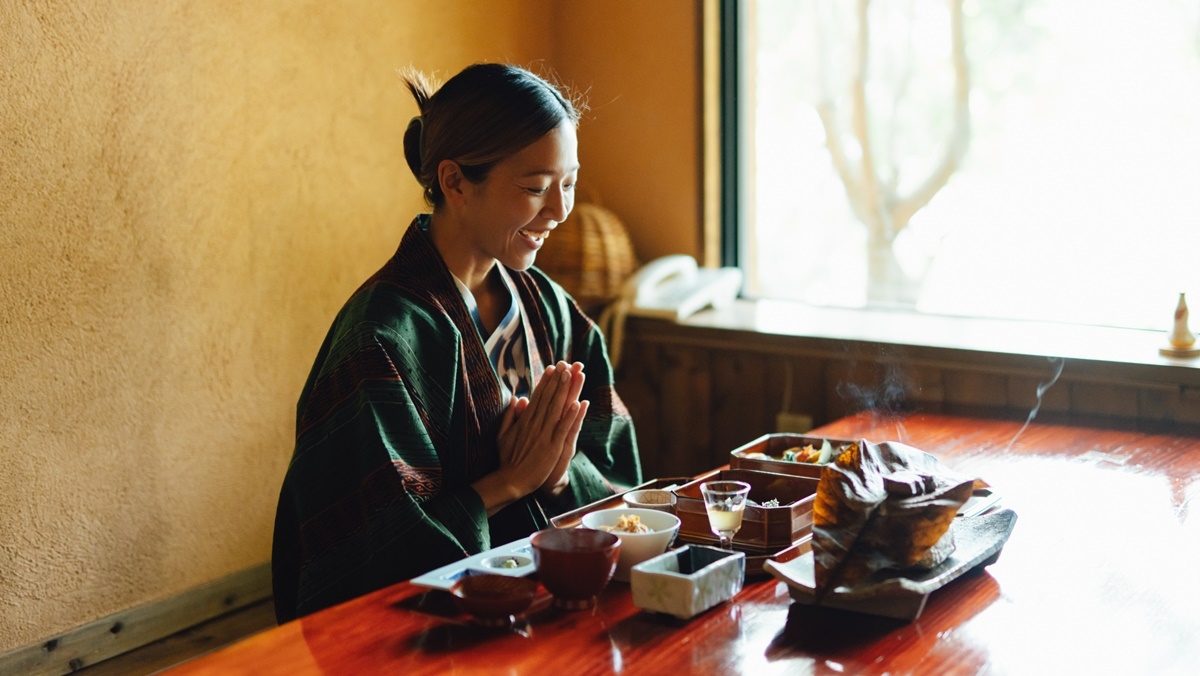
(493, 599)
(575, 564)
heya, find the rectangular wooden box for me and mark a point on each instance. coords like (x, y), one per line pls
(763, 528)
(774, 445)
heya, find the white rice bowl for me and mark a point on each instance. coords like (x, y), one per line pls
(636, 547)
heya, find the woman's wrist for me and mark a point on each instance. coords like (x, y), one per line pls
(497, 491)
(556, 489)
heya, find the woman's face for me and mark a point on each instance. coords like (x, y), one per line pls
(524, 197)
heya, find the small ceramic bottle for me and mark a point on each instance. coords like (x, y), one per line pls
(1181, 336)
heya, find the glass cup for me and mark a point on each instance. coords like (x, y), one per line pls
(725, 501)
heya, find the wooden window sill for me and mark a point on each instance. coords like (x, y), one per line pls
(700, 388)
(1111, 354)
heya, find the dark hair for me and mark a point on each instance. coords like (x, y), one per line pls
(479, 117)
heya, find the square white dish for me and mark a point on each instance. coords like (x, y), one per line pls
(484, 562)
(687, 581)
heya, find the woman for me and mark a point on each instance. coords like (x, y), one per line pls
(460, 398)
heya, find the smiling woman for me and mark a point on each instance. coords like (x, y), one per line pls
(448, 411)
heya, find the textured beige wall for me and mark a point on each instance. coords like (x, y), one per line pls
(640, 143)
(188, 191)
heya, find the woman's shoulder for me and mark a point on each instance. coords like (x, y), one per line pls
(379, 309)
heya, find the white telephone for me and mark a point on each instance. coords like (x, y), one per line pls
(674, 287)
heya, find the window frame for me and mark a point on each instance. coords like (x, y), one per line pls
(732, 16)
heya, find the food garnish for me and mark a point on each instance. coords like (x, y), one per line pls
(808, 453)
(628, 523)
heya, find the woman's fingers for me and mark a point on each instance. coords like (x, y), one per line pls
(554, 407)
(565, 434)
(510, 413)
(576, 385)
(541, 401)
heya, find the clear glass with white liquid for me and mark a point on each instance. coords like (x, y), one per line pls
(725, 502)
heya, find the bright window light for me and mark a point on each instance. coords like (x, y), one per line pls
(1049, 171)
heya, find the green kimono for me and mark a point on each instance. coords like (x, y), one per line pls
(399, 416)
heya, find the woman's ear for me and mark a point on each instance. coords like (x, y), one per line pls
(451, 178)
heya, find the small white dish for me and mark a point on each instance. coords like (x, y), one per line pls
(687, 581)
(636, 547)
(505, 562)
(491, 561)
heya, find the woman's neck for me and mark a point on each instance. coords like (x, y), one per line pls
(450, 239)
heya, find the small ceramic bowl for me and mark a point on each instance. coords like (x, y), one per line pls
(575, 564)
(493, 599)
(687, 581)
(636, 547)
(651, 498)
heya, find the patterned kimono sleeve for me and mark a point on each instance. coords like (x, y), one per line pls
(363, 504)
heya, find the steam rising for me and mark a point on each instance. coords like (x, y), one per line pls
(892, 396)
(889, 397)
(1059, 363)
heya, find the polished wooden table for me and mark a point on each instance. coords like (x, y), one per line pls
(1100, 575)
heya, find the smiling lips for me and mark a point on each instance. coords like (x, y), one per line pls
(536, 237)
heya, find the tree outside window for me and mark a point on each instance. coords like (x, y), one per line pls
(1027, 159)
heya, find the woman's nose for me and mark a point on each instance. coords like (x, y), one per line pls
(558, 205)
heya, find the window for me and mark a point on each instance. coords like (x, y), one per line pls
(1017, 159)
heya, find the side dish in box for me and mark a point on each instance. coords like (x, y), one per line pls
(795, 454)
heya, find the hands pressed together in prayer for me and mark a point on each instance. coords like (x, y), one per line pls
(537, 439)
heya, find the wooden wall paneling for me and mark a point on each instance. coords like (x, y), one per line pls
(974, 388)
(121, 632)
(1104, 399)
(926, 389)
(774, 386)
(1158, 405)
(740, 406)
(639, 384)
(685, 414)
(1023, 393)
(1180, 404)
(189, 643)
(808, 388)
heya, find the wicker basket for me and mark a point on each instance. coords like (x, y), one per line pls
(590, 254)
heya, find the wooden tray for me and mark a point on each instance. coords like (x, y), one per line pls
(754, 558)
(764, 529)
(978, 541)
(572, 518)
(447, 575)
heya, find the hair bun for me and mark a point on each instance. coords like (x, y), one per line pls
(414, 145)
